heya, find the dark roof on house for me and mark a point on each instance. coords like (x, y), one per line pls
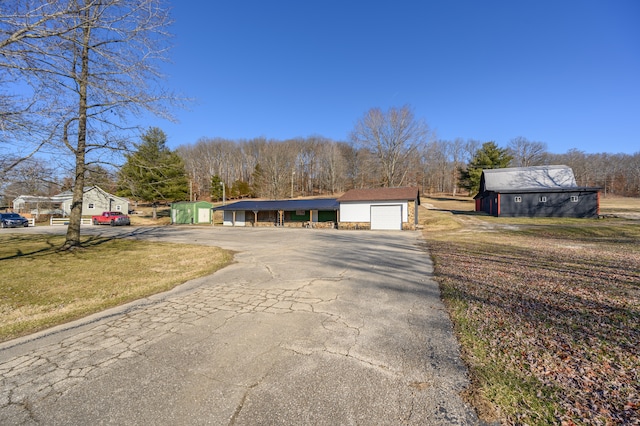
(381, 194)
(286, 205)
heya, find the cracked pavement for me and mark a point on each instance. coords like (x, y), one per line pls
(318, 327)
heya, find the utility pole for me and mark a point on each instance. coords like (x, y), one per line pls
(223, 194)
(293, 173)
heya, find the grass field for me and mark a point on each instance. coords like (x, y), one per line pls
(42, 286)
(547, 311)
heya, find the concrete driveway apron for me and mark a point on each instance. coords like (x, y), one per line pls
(318, 327)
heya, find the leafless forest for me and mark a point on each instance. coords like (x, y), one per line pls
(319, 166)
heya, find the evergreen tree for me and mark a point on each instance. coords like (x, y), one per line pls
(241, 189)
(489, 156)
(258, 181)
(153, 173)
(216, 187)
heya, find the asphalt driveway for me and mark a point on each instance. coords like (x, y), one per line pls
(318, 327)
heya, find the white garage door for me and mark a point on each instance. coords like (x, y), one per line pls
(386, 217)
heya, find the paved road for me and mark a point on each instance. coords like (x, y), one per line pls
(315, 327)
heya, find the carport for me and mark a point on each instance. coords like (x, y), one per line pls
(313, 213)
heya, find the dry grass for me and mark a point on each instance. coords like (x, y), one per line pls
(612, 204)
(42, 286)
(547, 312)
(448, 203)
(143, 216)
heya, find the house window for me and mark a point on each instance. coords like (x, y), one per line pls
(118, 207)
(542, 199)
(91, 206)
(518, 199)
(574, 198)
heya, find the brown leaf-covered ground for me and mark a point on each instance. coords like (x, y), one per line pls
(548, 316)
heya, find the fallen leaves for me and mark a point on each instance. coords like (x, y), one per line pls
(562, 307)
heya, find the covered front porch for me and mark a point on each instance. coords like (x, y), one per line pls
(312, 213)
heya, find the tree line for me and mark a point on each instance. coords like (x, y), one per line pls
(319, 166)
(314, 166)
(75, 76)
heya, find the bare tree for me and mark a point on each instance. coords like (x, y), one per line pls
(395, 137)
(332, 165)
(277, 160)
(436, 166)
(634, 174)
(29, 177)
(23, 25)
(583, 169)
(527, 153)
(97, 69)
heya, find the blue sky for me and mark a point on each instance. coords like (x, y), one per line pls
(566, 72)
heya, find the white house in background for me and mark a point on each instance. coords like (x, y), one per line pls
(95, 201)
(379, 208)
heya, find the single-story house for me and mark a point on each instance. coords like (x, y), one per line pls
(191, 212)
(35, 205)
(317, 213)
(95, 201)
(379, 208)
(540, 191)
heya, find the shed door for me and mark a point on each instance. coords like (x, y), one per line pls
(386, 217)
(204, 215)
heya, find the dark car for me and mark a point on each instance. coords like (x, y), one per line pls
(12, 220)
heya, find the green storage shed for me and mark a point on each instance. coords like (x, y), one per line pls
(191, 212)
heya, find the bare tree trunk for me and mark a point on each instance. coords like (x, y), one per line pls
(50, 46)
(75, 219)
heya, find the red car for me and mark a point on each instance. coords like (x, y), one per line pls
(111, 218)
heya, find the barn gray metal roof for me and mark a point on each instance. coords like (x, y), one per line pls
(528, 178)
(286, 205)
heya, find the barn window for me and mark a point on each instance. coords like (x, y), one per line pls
(574, 198)
(518, 199)
(542, 199)
(91, 206)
